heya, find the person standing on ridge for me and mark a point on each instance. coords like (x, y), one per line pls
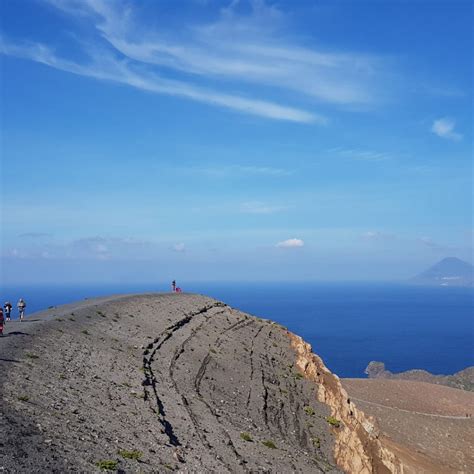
(2, 321)
(21, 308)
(8, 309)
(173, 286)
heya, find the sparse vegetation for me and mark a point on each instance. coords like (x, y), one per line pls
(85, 331)
(170, 467)
(213, 351)
(134, 454)
(71, 319)
(333, 421)
(246, 437)
(309, 411)
(30, 355)
(316, 442)
(62, 376)
(23, 398)
(298, 376)
(269, 444)
(107, 465)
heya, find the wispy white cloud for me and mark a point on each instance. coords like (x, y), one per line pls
(358, 154)
(444, 128)
(257, 207)
(35, 235)
(436, 246)
(94, 248)
(234, 171)
(290, 243)
(233, 51)
(105, 66)
(377, 236)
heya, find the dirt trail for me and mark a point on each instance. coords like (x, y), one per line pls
(181, 382)
(417, 418)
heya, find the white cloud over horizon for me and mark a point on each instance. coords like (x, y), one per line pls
(179, 247)
(290, 243)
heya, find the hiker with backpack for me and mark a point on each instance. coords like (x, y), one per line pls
(8, 310)
(21, 308)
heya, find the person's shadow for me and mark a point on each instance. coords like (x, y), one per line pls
(15, 333)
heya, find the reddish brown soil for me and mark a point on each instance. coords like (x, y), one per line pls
(425, 419)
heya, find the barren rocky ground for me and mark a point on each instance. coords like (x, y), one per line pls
(432, 422)
(156, 383)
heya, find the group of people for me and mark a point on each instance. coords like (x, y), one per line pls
(6, 311)
(174, 288)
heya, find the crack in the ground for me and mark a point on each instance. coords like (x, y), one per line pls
(247, 404)
(150, 378)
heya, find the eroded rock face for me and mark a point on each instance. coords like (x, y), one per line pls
(359, 448)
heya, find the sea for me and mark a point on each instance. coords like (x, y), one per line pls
(347, 324)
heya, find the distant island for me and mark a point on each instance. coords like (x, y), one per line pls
(464, 379)
(450, 271)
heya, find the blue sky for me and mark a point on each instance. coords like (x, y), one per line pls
(238, 140)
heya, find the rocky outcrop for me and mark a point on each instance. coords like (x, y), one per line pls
(358, 445)
(464, 379)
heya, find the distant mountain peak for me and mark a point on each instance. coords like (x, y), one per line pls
(450, 271)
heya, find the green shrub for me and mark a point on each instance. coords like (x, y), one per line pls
(134, 454)
(85, 331)
(309, 411)
(269, 444)
(23, 398)
(246, 437)
(316, 442)
(30, 355)
(107, 465)
(333, 421)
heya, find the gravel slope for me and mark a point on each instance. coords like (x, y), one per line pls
(432, 421)
(182, 382)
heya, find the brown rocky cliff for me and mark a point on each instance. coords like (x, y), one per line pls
(358, 446)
